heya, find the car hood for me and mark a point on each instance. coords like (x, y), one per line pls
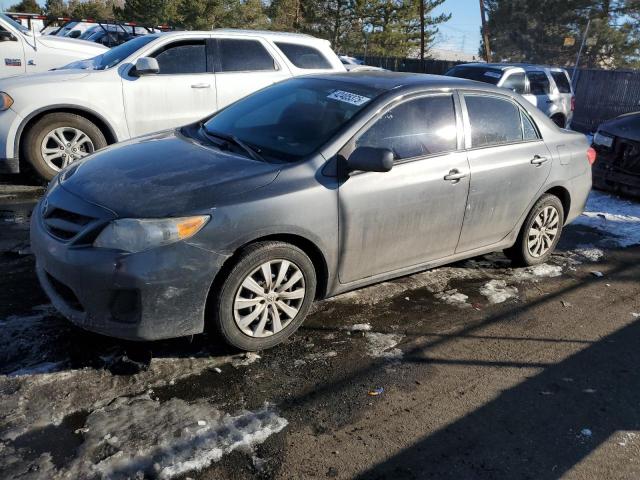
(50, 77)
(625, 126)
(82, 47)
(162, 175)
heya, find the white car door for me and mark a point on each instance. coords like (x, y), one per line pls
(243, 66)
(540, 88)
(182, 92)
(12, 50)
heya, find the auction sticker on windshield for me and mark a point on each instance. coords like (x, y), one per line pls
(348, 97)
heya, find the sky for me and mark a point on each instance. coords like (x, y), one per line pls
(462, 32)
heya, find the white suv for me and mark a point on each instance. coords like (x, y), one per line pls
(26, 51)
(150, 83)
(548, 88)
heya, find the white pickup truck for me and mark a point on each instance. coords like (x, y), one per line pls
(26, 51)
(151, 83)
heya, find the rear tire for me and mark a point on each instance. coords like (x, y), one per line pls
(539, 234)
(252, 312)
(59, 139)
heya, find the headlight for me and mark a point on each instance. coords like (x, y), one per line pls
(5, 101)
(135, 235)
(603, 139)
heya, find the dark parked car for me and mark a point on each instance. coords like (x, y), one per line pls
(306, 189)
(617, 142)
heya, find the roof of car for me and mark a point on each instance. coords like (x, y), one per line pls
(506, 66)
(386, 80)
(239, 32)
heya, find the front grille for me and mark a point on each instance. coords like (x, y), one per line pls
(65, 293)
(65, 224)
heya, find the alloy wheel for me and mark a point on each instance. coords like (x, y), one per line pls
(64, 145)
(543, 231)
(269, 298)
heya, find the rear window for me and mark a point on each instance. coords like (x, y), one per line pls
(243, 56)
(539, 83)
(562, 82)
(479, 74)
(304, 56)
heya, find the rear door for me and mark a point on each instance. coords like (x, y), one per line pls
(540, 88)
(413, 213)
(183, 91)
(509, 164)
(244, 66)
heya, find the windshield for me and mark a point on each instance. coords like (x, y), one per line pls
(480, 74)
(112, 57)
(14, 24)
(290, 120)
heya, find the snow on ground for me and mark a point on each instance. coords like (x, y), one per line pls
(497, 291)
(139, 437)
(589, 252)
(618, 219)
(383, 345)
(358, 327)
(543, 270)
(453, 297)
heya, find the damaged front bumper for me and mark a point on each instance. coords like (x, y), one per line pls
(617, 168)
(150, 295)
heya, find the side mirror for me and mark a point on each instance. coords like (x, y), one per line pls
(370, 159)
(7, 36)
(147, 66)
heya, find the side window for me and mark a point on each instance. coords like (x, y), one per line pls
(493, 121)
(424, 126)
(237, 55)
(562, 82)
(515, 82)
(539, 83)
(303, 56)
(529, 131)
(182, 58)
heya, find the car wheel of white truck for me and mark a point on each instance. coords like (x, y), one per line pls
(59, 139)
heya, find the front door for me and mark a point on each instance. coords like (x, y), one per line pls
(244, 66)
(182, 92)
(12, 53)
(413, 213)
(509, 165)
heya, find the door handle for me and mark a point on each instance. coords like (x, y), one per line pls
(538, 160)
(455, 175)
(201, 85)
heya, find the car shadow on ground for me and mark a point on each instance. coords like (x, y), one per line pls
(532, 430)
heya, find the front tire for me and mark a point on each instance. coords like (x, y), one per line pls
(59, 139)
(539, 234)
(265, 296)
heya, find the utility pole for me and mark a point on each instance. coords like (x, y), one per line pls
(584, 39)
(422, 35)
(485, 33)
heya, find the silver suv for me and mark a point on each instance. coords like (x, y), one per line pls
(548, 88)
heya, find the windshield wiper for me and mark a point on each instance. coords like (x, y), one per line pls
(228, 138)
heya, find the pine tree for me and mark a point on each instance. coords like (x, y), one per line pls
(536, 31)
(26, 6)
(146, 12)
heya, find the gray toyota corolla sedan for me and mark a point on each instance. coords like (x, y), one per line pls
(303, 190)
